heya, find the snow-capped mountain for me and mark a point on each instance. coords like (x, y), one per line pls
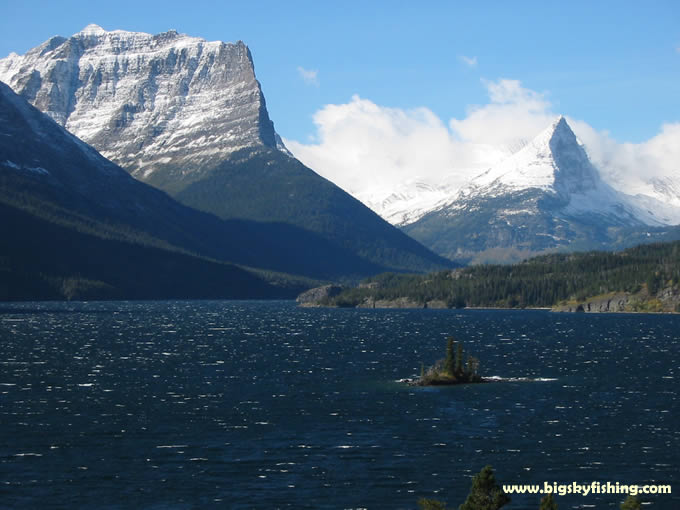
(553, 161)
(528, 164)
(409, 202)
(556, 162)
(548, 195)
(147, 102)
(189, 117)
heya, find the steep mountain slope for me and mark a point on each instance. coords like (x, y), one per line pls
(546, 196)
(48, 177)
(250, 185)
(43, 259)
(189, 117)
(406, 203)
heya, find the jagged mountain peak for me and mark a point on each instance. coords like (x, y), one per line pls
(553, 161)
(546, 196)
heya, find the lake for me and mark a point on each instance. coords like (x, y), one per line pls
(236, 404)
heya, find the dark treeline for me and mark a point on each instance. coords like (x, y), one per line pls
(539, 282)
(41, 260)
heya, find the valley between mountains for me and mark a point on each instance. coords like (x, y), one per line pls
(144, 166)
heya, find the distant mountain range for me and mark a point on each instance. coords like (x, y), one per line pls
(546, 196)
(186, 116)
(163, 142)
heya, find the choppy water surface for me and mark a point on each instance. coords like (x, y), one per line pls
(264, 405)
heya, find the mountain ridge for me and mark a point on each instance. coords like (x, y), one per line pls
(654, 200)
(547, 196)
(49, 173)
(209, 165)
(141, 99)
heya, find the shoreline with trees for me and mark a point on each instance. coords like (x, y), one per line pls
(644, 279)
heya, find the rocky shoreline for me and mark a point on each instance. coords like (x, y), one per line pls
(417, 381)
(667, 301)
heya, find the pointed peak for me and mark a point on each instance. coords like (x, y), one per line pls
(92, 29)
(561, 123)
(560, 128)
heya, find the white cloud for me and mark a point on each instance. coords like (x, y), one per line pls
(468, 61)
(630, 166)
(310, 76)
(513, 113)
(363, 146)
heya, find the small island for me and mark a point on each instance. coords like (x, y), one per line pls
(450, 370)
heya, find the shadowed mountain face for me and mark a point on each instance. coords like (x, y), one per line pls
(188, 116)
(547, 196)
(47, 172)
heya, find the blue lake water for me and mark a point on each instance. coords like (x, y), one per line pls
(223, 404)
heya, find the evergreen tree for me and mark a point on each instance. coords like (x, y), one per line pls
(459, 359)
(450, 361)
(541, 281)
(431, 504)
(472, 366)
(631, 503)
(485, 493)
(548, 503)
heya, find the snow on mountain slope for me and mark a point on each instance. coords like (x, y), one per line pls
(20, 121)
(407, 203)
(551, 161)
(188, 116)
(554, 162)
(145, 101)
(546, 196)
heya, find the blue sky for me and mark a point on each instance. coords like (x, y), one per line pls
(615, 65)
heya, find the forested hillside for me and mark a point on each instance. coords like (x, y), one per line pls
(649, 272)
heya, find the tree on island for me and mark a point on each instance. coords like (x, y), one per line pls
(485, 493)
(459, 359)
(472, 366)
(548, 503)
(450, 360)
(631, 503)
(451, 369)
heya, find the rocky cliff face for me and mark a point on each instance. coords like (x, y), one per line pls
(667, 300)
(188, 116)
(314, 297)
(150, 103)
